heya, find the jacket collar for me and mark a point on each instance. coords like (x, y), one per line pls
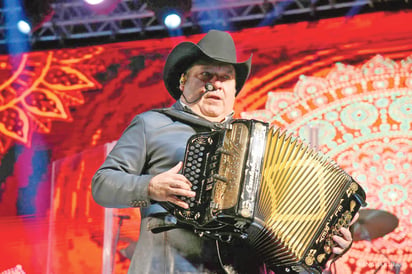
(190, 115)
(182, 106)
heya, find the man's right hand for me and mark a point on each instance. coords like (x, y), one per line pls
(168, 185)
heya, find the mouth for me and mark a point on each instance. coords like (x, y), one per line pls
(213, 97)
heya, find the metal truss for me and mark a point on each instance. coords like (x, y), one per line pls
(75, 21)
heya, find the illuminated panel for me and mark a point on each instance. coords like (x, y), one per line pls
(348, 78)
(364, 116)
(38, 88)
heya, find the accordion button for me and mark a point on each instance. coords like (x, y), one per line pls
(245, 212)
(309, 260)
(321, 257)
(328, 249)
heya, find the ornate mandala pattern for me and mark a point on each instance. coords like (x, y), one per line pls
(363, 118)
(38, 88)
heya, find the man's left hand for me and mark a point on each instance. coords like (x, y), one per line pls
(343, 242)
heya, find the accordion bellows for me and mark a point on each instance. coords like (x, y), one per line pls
(280, 195)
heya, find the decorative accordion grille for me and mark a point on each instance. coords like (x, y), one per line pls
(300, 188)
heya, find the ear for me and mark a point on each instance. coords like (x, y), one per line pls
(182, 81)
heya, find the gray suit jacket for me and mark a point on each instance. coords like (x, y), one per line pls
(153, 143)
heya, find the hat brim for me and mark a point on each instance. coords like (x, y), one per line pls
(184, 55)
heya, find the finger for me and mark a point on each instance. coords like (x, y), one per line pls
(178, 177)
(178, 202)
(180, 182)
(185, 180)
(355, 218)
(327, 267)
(176, 168)
(328, 263)
(182, 192)
(347, 235)
(337, 250)
(341, 242)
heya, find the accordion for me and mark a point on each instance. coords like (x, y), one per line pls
(285, 199)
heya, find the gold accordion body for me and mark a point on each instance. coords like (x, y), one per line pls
(281, 196)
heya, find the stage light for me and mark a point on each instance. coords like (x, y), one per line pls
(17, 40)
(102, 6)
(93, 2)
(23, 27)
(37, 12)
(170, 13)
(172, 21)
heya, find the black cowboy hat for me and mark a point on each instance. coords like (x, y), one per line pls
(215, 45)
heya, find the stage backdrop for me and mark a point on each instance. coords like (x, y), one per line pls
(350, 79)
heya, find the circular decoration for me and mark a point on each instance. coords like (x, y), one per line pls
(401, 109)
(321, 100)
(359, 115)
(380, 84)
(294, 114)
(393, 194)
(349, 90)
(408, 82)
(306, 87)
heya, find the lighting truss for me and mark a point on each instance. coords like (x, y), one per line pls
(73, 20)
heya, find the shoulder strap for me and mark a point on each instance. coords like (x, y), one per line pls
(188, 118)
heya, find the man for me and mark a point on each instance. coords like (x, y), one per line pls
(144, 166)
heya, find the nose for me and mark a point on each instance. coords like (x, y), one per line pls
(214, 85)
(216, 80)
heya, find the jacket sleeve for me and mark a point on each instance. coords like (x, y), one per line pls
(119, 182)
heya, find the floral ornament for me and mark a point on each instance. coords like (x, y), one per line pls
(38, 88)
(362, 117)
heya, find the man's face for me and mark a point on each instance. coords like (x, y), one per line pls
(213, 105)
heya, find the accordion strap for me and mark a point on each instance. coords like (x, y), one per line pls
(191, 119)
(163, 221)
